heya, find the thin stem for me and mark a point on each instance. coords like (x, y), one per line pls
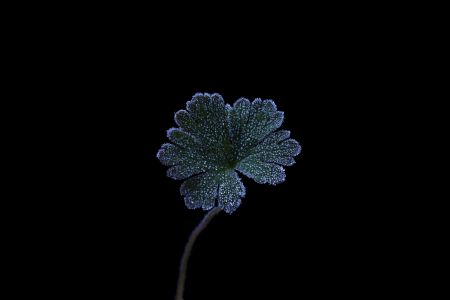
(188, 249)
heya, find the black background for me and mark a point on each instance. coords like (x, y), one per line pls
(314, 234)
(122, 224)
(93, 91)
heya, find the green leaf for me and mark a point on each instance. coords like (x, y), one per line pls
(202, 191)
(214, 140)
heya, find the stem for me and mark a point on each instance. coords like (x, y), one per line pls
(188, 250)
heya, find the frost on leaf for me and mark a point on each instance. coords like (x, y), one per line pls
(203, 191)
(264, 162)
(215, 140)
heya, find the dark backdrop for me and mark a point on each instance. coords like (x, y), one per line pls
(125, 223)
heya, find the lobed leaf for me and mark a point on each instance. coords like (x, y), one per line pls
(214, 140)
(251, 122)
(203, 190)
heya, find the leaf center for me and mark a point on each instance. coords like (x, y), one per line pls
(230, 158)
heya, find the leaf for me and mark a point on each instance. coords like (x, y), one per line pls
(214, 140)
(251, 122)
(205, 119)
(202, 191)
(262, 172)
(231, 190)
(264, 163)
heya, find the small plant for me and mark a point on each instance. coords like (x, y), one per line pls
(214, 141)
